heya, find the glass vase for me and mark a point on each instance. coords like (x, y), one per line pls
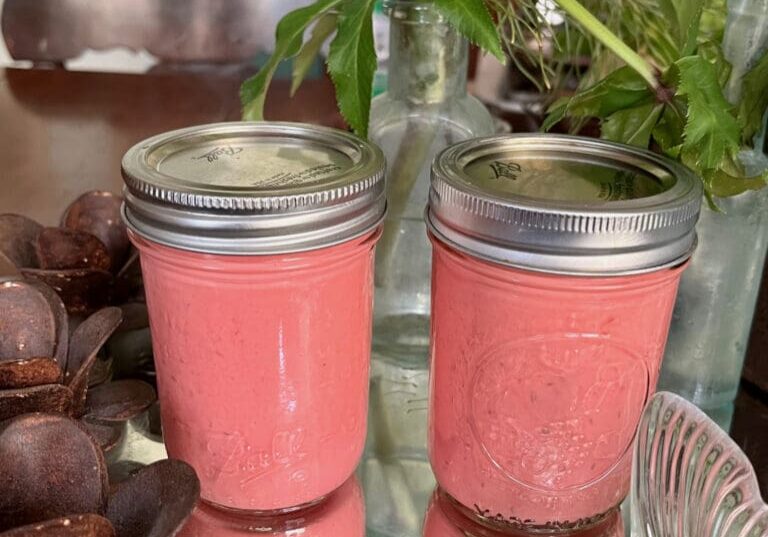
(426, 108)
(716, 301)
(713, 314)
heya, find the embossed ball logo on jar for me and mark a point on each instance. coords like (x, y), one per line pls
(557, 413)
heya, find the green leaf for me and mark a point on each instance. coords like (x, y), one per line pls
(612, 42)
(352, 62)
(288, 38)
(711, 130)
(754, 99)
(713, 53)
(684, 16)
(555, 113)
(727, 180)
(713, 17)
(621, 89)
(472, 19)
(632, 126)
(722, 184)
(323, 29)
(668, 132)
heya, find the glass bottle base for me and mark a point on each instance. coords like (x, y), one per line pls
(594, 526)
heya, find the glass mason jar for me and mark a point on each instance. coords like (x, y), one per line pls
(716, 301)
(342, 514)
(445, 519)
(256, 244)
(556, 261)
(425, 109)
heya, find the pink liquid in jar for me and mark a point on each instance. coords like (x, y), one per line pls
(556, 262)
(256, 244)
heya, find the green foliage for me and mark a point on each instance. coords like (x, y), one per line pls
(633, 125)
(711, 130)
(754, 100)
(288, 38)
(661, 85)
(713, 53)
(472, 19)
(352, 57)
(623, 88)
(684, 16)
(688, 118)
(352, 62)
(325, 26)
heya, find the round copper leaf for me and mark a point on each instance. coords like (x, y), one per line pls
(50, 468)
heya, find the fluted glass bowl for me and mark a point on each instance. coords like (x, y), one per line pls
(690, 479)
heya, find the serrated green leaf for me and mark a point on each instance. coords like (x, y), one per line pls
(322, 30)
(472, 19)
(289, 35)
(711, 130)
(754, 100)
(684, 17)
(352, 62)
(632, 126)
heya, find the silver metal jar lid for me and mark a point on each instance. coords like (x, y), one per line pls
(251, 188)
(564, 204)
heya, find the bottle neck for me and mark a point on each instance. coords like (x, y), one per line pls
(428, 58)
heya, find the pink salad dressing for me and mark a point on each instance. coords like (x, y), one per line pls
(256, 244)
(262, 367)
(538, 385)
(556, 262)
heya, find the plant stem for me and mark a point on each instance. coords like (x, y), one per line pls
(610, 40)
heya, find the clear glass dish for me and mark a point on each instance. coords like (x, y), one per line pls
(690, 479)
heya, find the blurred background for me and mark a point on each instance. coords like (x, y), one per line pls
(119, 36)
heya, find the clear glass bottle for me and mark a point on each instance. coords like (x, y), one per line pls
(426, 108)
(716, 302)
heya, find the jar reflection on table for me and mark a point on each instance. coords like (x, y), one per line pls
(556, 262)
(342, 514)
(444, 518)
(256, 244)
